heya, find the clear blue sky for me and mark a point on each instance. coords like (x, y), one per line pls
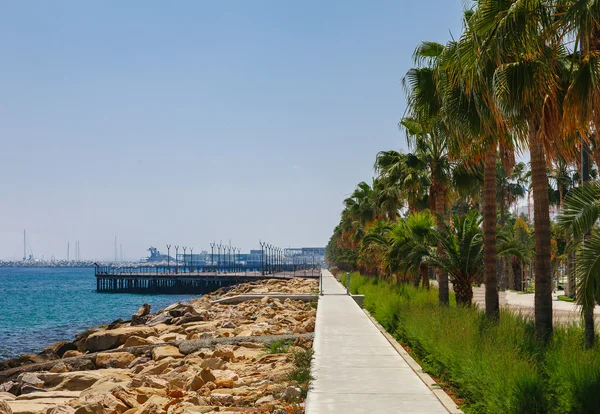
(188, 121)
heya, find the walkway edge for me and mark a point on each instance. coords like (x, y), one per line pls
(440, 394)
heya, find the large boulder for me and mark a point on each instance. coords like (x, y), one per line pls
(114, 359)
(69, 381)
(103, 340)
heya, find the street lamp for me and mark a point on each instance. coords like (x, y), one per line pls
(218, 255)
(184, 250)
(239, 266)
(191, 259)
(168, 255)
(262, 256)
(212, 253)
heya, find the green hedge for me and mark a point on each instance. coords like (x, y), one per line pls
(494, 367)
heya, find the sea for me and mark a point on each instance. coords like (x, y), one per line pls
(41, 306)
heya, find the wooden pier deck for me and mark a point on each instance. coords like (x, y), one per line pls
(183, 280)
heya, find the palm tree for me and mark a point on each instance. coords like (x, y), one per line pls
(463, 256)
(580, 213)
(428, 136)
(407, 244)
(528, 82)
(408, 173)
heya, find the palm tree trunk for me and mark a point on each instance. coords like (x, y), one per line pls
(442, 275)
(492, 302)
(464, 292)
(424, 275)
(541, 222)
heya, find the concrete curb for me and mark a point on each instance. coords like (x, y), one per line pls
(440, 394)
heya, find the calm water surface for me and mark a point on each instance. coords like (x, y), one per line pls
(40, 306)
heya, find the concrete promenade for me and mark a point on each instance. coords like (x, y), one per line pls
(356, 369)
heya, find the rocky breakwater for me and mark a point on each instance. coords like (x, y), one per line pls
(196, 357)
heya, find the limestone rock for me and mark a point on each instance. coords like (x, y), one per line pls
(27, 389)
(114, 359)
(70, 395)
(99, 404)
(72, 354)
(225, 379)
(109, 339)
(28, 407)
(195, 384)
(59, 367)
(31, 379)
(158, 319)
(7, 396)
(221, 399)
(154, 405)
(141, 316)
(292, 394)
(264, 400)
(163, 352)
(61, 409)
(207, 375)
(69, 381)
(136, 341)
(9, 386)
(213, 363)
(127, 396)
(5, 408)
(228, 325)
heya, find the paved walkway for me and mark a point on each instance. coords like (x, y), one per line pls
(356, 369)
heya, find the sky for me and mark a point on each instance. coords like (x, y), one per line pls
(185, 122)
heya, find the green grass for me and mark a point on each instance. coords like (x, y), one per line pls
(279, 347)
(565, 298)
(493, 367)
(300, 374)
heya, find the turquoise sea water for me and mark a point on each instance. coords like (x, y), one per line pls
(40, 306)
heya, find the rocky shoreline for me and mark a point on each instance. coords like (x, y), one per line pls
(244, 349)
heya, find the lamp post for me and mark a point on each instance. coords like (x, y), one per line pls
(218, 255)
(191, 259)
(212, 253)
(262, 257)
(184, 250)
(176, 259)
(239, 266)
(168, 256)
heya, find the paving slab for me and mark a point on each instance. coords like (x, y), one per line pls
(356, 369)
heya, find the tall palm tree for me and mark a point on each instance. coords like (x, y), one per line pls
(428, 136)
(474, 117)
(528, 85)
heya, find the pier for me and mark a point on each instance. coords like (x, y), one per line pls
(188, 279)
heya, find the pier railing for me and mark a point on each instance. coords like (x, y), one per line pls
(286, 270)
(191, 279)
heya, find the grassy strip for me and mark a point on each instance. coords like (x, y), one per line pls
(565, 298)
(495, 367)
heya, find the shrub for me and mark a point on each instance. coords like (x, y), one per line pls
(494, 367)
